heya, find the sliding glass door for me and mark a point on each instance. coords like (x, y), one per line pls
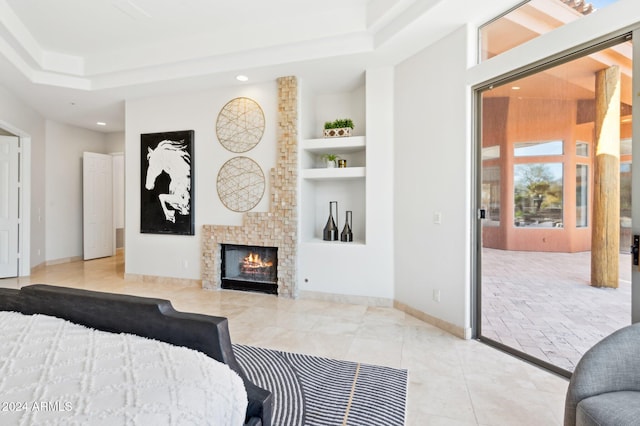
(555, 185)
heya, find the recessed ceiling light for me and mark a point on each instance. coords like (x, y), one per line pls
(241, 77)
(515, 87)
(101, 123)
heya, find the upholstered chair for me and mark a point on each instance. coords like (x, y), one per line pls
(605, 386)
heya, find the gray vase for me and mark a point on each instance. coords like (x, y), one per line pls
(347, 234)
(330, 232)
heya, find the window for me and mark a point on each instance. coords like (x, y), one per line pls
(538, 195)
(582, 195)
(491, 152)
(530, 20)
(582, 149)
(491, 195)
(531, 149)
(625, 205)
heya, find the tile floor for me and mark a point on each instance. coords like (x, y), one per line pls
(452, 381)
(542, 303)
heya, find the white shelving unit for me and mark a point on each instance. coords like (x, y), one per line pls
(352, 149)
(321, 184)
(335, 173)
(336, 145)
(364, 267)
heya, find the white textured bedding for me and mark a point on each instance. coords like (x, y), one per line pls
(54, 372)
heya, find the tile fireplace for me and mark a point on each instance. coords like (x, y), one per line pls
(249, 268)
(278, 227)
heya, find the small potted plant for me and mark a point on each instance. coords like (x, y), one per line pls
(330, 159)
(338, 128)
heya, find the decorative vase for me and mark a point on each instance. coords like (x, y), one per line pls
(340, 132)
(347, 234)
(330, 232)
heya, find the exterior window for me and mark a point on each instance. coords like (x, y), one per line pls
(582, 195)
(530, 20)
(582, 149)
(491, 153)
(538, 195)
(491, 195)
(531, 149)
(625, 205)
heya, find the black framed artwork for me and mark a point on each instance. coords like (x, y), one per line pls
(166, 193)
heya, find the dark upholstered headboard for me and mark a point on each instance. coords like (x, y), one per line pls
(143, 316)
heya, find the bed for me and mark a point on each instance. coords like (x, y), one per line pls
(148, 363)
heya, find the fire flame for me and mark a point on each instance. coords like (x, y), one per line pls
(253, 260)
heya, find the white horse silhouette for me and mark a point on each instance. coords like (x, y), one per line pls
(173, 158)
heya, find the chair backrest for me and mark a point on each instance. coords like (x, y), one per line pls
(611, 365)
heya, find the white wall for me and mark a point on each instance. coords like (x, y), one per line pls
(433, 156)
(115, 141)
(432, 175)
(179, 256)
(64, 148)
(18, 116)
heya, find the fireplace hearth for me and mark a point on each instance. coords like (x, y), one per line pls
(249, 268)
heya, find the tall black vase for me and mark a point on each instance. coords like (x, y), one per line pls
(330, 232)
(347, 234)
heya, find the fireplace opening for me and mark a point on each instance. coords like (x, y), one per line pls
(249, 268)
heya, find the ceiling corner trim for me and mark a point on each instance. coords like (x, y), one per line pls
(403, 17)
(381, 12)
(61, 63)
(19, 42)
(21, 36)
(61, 80)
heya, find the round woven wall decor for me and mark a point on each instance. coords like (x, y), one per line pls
(240, 184)
(240, 125)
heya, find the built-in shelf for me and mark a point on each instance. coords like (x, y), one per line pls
(334, 173)
(335, 145)
(321, 185)
(339, 243)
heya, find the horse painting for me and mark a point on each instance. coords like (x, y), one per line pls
(166, 203)
(172, 158)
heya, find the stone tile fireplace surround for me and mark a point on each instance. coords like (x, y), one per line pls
(279, 226)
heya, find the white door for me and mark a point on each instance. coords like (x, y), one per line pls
(98, 228)
(8, 206)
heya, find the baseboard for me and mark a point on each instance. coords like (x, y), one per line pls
(186, 282)
(461, 332)
(46, 263)
(38, 267)
(345, 298)
(63, 260)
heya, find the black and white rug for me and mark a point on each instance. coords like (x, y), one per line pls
(315, 391)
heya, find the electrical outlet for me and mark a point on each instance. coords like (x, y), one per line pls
(436, 295)
(185, 264)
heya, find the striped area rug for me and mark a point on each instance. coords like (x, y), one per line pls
(315, 391)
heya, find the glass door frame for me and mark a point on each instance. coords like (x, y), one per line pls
(476, 247)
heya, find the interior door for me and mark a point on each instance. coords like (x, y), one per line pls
(98, 230)
(8, 206)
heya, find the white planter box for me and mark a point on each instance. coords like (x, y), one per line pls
(338, 133)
